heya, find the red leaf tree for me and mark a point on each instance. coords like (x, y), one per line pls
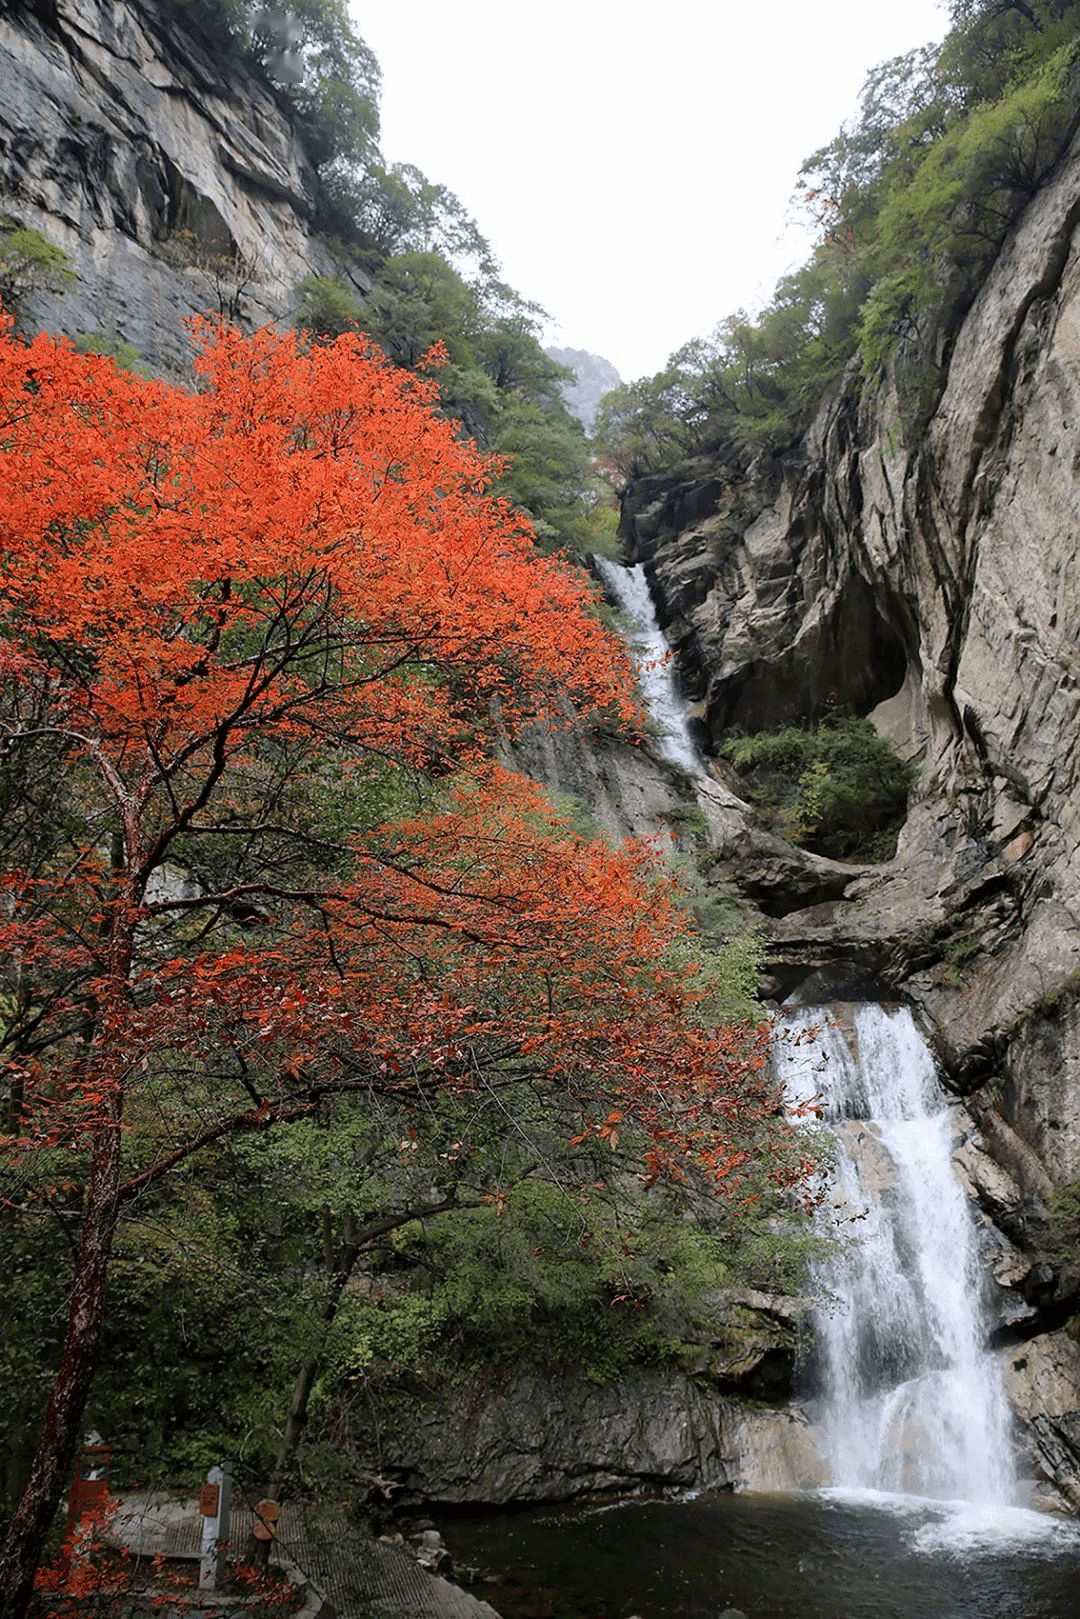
(242, 629)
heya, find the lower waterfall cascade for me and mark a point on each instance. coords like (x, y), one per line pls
(921, 1519)
(908, 1396)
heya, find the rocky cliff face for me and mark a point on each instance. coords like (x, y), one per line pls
(593, 378)
(931, 581)
(169, 173)
(934, 585)
(541, 1435)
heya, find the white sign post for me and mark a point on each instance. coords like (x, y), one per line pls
(214, 1501)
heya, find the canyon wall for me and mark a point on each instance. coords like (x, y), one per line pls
(164, 166)
(933, 583)
(929, 579)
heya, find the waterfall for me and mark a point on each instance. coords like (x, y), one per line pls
(910, 1400)
(629, 590)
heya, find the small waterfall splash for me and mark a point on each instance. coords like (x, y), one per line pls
(911, 1402)
(629, 589)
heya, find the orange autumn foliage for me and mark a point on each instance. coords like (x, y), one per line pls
(235, 623)
(96, 1576)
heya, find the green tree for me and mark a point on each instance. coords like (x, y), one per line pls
(327, 307)
(837, 787)
(910, 201)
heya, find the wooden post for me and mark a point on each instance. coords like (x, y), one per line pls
(91, 1485)
(214, 1501)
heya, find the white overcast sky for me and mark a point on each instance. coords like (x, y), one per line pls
(631, 163)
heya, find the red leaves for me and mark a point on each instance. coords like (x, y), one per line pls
(96, 1576)
(296, 565)
(208, 552)
(232, 624)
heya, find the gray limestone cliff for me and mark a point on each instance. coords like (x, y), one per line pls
(593, 378)
(932, 581)
(935, 586)
(167, 170)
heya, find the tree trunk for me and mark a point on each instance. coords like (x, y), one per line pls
(51, 1468)
(340, 1263)
(305, 1377)
(53, 1461)
(342, 1268)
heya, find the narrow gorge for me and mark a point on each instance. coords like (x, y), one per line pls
(931, 585)
(914, 565)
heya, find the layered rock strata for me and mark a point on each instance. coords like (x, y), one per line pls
(936, 586)
(930, 580)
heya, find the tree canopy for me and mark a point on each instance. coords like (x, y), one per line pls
(909, 203)
(257, 645)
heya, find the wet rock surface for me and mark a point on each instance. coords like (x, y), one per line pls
(1041, 1379)
(931, 582)
(533, 1434)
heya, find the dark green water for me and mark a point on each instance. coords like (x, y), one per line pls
(827, 1556)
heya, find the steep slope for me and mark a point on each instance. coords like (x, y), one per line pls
(593, 377)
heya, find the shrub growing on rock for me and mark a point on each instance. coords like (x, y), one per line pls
(836, 788)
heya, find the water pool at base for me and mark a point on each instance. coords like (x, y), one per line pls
(904, 1390)
(833, 1555)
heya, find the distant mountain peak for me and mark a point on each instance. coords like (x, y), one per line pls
(595, 377)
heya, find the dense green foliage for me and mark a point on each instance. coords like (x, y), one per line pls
(910, 203)
(493, 376)
(492, 1240)
(837, 788)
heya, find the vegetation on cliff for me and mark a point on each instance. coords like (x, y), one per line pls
(414, 267)
(910, 204)
(837, 787)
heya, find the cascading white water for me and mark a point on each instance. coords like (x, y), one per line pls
(911, 1401)
(630, 591)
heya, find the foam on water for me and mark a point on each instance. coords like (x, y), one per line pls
(996, 1531)
(960, 1528)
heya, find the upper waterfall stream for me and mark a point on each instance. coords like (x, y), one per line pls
(629, 589)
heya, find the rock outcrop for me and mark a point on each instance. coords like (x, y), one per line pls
(936, 586)
(526, 1434)
(160, 163)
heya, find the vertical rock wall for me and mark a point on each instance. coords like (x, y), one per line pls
(934, 583)
(168, 172)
